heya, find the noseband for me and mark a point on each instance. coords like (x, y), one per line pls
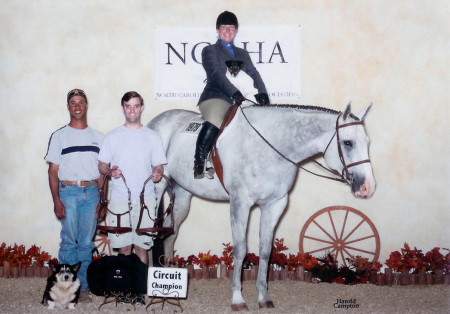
(345, 173)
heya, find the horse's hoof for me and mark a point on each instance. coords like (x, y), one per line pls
(266, 304)
(239, 307)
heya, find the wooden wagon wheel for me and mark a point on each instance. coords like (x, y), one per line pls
(103, 246)
(343, 231)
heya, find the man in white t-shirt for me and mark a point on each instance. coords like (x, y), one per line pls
(74, 182)
(136, 152)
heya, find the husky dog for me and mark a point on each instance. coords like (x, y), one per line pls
(63, 286)
(241, 80)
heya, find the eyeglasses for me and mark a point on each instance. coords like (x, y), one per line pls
(76, 92)
(128, 107)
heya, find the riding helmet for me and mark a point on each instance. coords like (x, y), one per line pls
(227, 18)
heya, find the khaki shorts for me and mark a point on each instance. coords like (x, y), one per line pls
(126, 239)
(214, 110)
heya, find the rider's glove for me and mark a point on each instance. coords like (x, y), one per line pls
(262, 99)
(238, 98)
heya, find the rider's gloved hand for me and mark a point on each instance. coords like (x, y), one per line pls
(262, 99)
(238, 98)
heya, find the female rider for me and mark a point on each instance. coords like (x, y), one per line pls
(219, 94)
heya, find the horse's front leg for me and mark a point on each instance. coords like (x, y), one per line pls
(239, 218)
(270, 214)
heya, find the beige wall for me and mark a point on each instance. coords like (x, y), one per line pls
(392, 53)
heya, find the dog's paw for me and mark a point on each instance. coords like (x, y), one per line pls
(72, 306)
(51, 305)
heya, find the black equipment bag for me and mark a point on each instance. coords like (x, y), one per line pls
(110, 275)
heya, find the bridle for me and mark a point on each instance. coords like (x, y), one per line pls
(345, 176)
(156, 231)
(345, 173)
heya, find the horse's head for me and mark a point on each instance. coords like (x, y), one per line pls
(348, 153)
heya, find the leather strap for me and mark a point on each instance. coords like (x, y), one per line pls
(80, 183)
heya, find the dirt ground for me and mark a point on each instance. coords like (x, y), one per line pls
(23, 295)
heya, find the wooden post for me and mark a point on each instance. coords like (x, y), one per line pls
(422, 278)
(36, 270)
(381, 280)
(213, 273)
(205, 272)
(230, 273)
(254, 272)
(284, 273)
(373, 276)
(301, 273)
(405, 277)
(271, 273)
(6, 270)
(44, 272)
(190, 269)
(413, 279)
(292, 275)
(198, 274)
(389, 276)
(430, 279)
(439, 276)
(223, 271)
(29, 271)
(308, 276)
(15, 272)
(397, 279)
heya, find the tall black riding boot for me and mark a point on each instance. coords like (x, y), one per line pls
(204, 144)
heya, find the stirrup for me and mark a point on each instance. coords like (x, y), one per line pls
(209, 173)
(199, 168)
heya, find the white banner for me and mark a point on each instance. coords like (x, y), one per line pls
(275, 51)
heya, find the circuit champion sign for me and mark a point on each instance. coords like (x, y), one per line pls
(167, 282)
(275, 52)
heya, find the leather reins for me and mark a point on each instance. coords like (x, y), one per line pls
(344, 179)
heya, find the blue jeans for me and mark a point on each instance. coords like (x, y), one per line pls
(78, 228)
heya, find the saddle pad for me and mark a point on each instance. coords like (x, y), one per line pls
(193, 126)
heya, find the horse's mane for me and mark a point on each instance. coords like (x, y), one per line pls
(301, 107)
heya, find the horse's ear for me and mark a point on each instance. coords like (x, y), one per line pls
(347, 110)
(362, 114)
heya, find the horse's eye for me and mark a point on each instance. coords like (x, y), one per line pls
(348, 143)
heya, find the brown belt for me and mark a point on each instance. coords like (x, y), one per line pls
(80, 183)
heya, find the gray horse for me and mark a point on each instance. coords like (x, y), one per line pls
(256, 173)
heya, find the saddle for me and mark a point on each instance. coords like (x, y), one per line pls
(215, 151)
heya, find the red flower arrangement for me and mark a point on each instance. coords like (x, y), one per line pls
(276, 257)
(309, 261)
(362, 264)
(191, 260)
(294, 261)
(251, 259)
(207, 260)
(178, 261)
(227, 255)
(16, 255)
(415, 260)
(436, 260)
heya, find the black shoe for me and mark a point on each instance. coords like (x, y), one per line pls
(138, 299)
(124, 299)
